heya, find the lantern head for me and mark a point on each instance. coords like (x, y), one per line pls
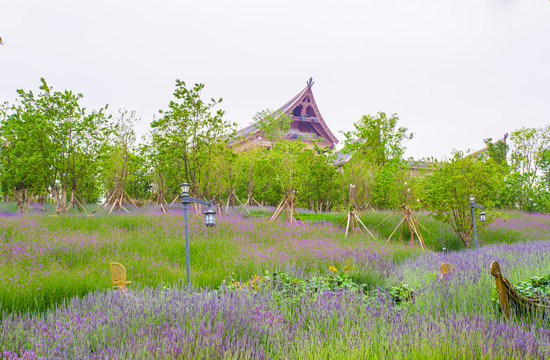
(209, 217)
(482, 216)
(185, 187)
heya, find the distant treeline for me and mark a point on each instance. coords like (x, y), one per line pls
(54, 150)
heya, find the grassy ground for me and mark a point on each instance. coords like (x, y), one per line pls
(509, 227)
(452, 318)
(46, 261)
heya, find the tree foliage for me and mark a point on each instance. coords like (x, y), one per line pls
(377, 139)
(376, 170)
(186, 140)
(273, 124)
(525, 187)
(448, 189)
(51, 143)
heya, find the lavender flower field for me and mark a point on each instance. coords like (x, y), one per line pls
(47, 261)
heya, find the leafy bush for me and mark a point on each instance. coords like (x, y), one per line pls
(537, 286)
(295, 289)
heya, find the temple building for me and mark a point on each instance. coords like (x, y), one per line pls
(307, 124)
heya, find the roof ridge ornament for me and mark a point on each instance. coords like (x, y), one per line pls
(310, 82)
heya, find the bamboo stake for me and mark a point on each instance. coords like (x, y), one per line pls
(80, 204)
(278, 210)
(112, 207)
(395, 230)
(260, 205)
(131, 200)
(347, 226)
(241, 203)
(173, 201)
(227, 205)
(387, 217)
(105, 203)
(366, 228)
(343, 221)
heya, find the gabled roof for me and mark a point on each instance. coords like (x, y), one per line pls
(311, 119)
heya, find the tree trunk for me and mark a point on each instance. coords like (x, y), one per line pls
(60, 199)
(23, 199)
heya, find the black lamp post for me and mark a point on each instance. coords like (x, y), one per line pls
(209, 219)
(482, 215)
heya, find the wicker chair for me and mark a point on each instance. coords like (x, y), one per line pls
(118, 276)
(445, 270)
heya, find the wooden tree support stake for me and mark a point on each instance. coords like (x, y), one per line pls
(408, 221)
(231, 201)
(356, 224)
(287, 203)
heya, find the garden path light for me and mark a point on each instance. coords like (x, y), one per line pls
(209, 219)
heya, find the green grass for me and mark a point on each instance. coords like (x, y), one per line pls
(45, 260)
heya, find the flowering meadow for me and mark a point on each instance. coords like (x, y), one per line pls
(61, 265)
(44, 260)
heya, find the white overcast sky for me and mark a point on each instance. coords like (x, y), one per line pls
(455, 72)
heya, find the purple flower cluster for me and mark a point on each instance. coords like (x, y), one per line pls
(526, 226)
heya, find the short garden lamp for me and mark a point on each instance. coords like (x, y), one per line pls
(210, 217)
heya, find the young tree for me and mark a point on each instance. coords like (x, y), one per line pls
(19, 164)
(55, 142)
(118, 158)
(448, 189)
(267, 187)
(545, 167)
(274, 125)
(497, 151)
(377, 139)
(317, 179)
(377, 145)
(527, 164)
(66, 140)
(187, 137)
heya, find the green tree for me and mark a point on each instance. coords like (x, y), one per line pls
(120, 159)
(55, 141)
(545, 166)
(389, 184)
(273, 124)
(377, 138)
(186, 140)
(528, 155)
(448, 189)
(377, 148)
(19, 164)
(267, 184)
(497, 151)
(318, 180)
